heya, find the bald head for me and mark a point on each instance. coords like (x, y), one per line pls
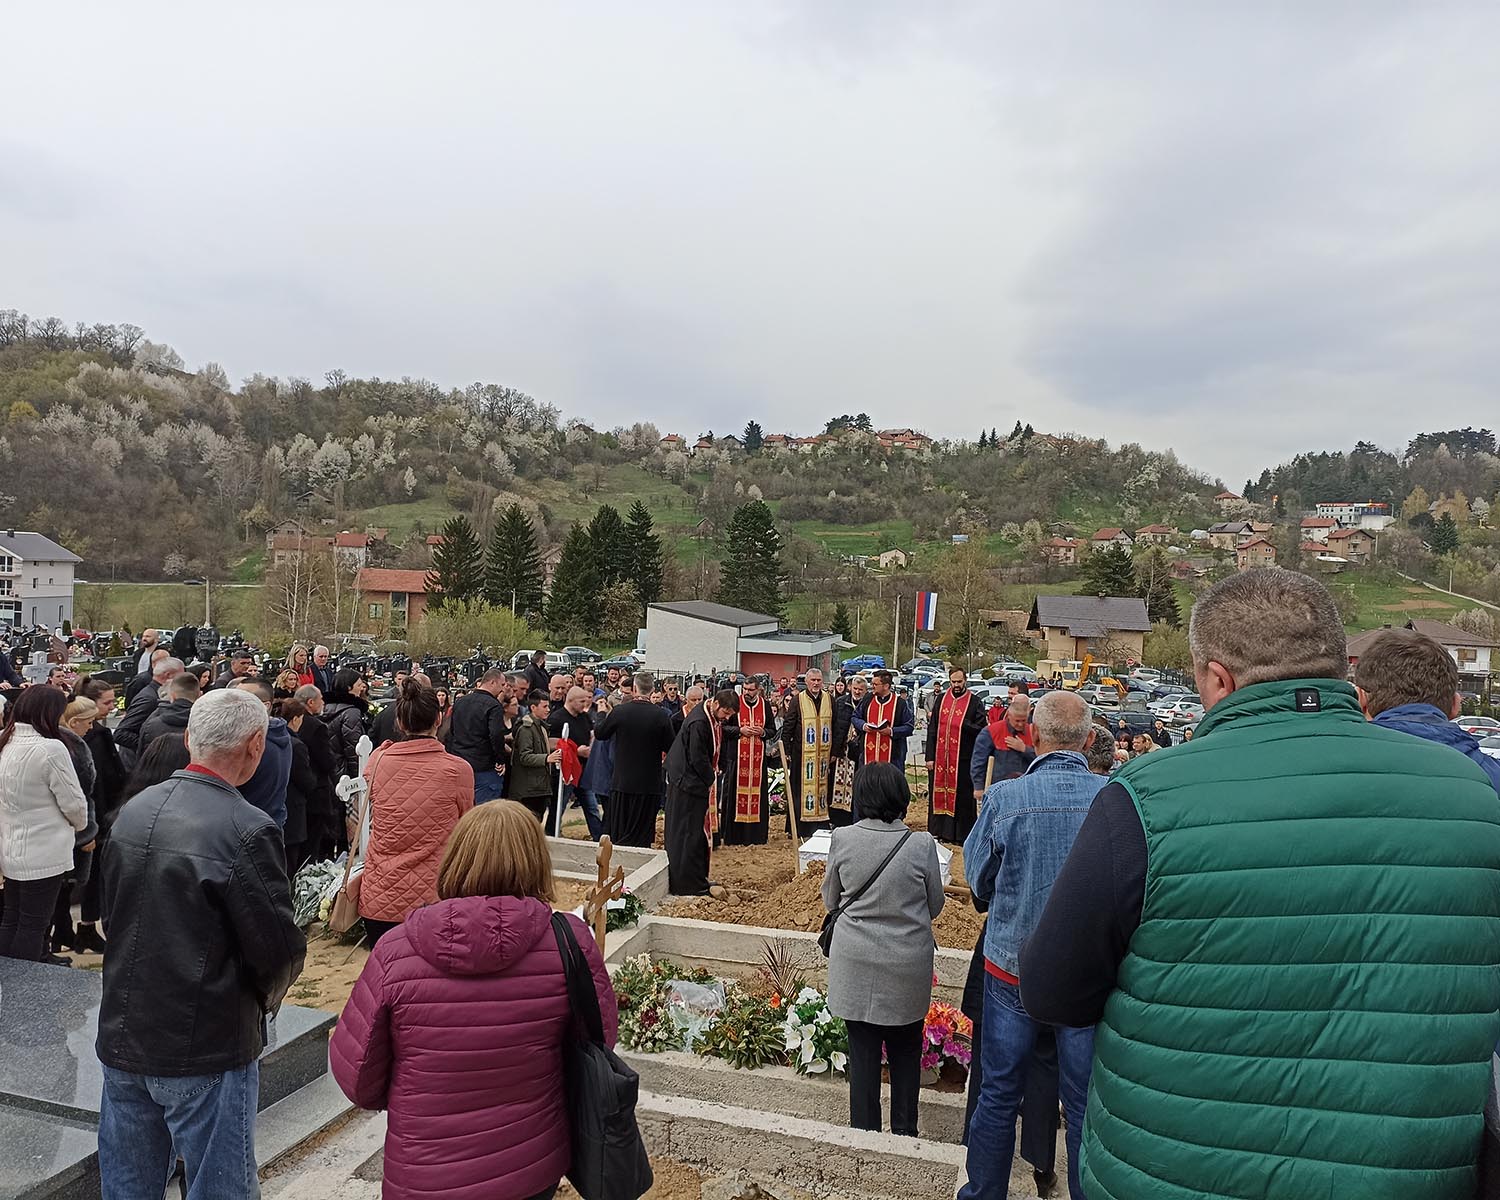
(578, 700)
(1062, 722)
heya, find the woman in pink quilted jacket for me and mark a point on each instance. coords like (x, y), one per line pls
(458, 1022)
(418, 791)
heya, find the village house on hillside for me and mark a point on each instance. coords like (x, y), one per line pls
(1317, 529)
(1108, 627)
(1226, 535)
(1156, 535)
(891, 558)
(1110, 535)
(1062, 552)
(390, 601)
(1357, 545)
(1472, 653)
(1257, 552)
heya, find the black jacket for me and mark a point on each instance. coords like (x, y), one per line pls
(383, 726)
(324, 762)
(690, 761)
(476, 733)
(323, 679)
(8, 671)
(171, 716)
(128, 732)
(202, 943)
(538, 679)
(137, 682)
(345, 715)
(644, 734)
(109, 772)
(301, 788)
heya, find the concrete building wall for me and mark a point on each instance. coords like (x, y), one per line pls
(675, 642)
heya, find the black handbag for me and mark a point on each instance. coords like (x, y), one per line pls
(825, 935)
(609, 1159)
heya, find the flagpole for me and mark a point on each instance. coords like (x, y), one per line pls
(560, 782)
(896, 634)
(914, 624)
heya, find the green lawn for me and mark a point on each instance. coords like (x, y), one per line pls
(167, 605)
(400, 519)
(1380, 603)
(872, 538)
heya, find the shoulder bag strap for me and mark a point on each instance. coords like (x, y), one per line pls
(895, 850)
(582, 997)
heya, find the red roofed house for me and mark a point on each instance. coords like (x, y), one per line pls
(1257, 552)
(1357, 545)
(290, 548)
(1118, 536)
(1062, 551)
(673, 441)
(775, 441)
(1155, 535)
(390, 601)
(352, 549)
(1313, 548)
(1228, 502)
(903, 439)
(1317, 529)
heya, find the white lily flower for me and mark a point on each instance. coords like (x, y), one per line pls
(817, 1066)
(807, 995)
(808, 1053)
(840, 1060)
(823, 1017)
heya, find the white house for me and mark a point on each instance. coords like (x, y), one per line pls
(699, 636)
(36, 579)
(892, 558)
(1469, 651)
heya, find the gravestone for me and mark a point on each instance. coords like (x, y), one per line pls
(50, 1078)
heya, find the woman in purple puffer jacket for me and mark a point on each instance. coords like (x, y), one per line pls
(458, 1022)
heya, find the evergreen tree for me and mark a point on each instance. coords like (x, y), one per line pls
(1154, 578)
(573, 604)
(646, 564)
(1016, 432)
(513, 565)
(754, 437)
(994, 438)
(841, 623)
(1445, 535)
(983, 442)
(1109, 572)
(611, 548)
(751, 575)
(457, 564)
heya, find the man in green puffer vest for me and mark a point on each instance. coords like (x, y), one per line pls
(1286, 931)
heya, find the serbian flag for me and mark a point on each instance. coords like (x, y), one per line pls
(926, 610)
(571, 765)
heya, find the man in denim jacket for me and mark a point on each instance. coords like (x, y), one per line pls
(1026, 828)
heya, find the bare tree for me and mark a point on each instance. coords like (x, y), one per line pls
(93, 604)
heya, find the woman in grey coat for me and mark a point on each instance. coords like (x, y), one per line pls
(880, 962)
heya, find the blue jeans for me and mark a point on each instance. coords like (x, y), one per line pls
(147, 1122)
(1006, 1037)
(487, 786)
(589, 802)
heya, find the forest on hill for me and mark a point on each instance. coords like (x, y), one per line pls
(152, 471)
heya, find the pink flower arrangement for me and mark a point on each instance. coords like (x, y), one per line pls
(947, 1036)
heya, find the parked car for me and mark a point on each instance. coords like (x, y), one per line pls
(1160, 691)
(923, 660)
(580, 655)
(638, 656)
(862, 662)
(1100, 695)
(1150, 674)
(1474, 725)
(1182, 712)
(1490, 745)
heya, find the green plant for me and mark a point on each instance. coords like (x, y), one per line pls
(623, 918)
(785, 965)
(641, 988)
(748, 1032)
(816, 1040)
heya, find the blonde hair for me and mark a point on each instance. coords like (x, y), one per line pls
(497, 849)
(291, 656)
(80, 708)
(287, 680)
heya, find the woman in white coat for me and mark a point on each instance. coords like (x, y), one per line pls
(42, 808)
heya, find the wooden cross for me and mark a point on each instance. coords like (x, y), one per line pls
(609, 887)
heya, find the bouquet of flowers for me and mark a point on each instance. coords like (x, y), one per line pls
(947, 1037)
(746, 1033)
(816, 1040)
(643, 990)
(313, 890)
(777, 792)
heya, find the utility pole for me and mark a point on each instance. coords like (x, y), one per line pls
(207, 613)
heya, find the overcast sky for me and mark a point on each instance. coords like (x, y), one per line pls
(1239, 230)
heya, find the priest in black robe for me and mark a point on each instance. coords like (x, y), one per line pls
(692, 774)
(953, 726)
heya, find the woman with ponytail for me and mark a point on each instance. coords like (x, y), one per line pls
(418, 791)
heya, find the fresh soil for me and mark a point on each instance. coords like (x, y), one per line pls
(764, 889)
(1412, 605)
(673, 1181)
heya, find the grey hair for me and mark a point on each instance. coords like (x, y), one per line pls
(307, 692)
(1062, 720)
(166, 666)
(694, 693)
(324, 649)
(223, 721)
(1024, 702)
(811, 671)
(1269, 623)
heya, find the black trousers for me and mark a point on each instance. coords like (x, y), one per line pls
(687, 842)
(29, 904)
(903, 1051)
(375, 930)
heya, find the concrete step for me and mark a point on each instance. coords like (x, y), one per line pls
(295, 1119)
(815, 1156)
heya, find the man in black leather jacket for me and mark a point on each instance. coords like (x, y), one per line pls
(201, 947)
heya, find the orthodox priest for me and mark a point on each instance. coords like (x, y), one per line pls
(953, 726)
(692, 776)
(883, 722)
(747, 780)
(813, 727)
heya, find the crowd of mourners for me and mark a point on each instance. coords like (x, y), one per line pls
(1264, 962)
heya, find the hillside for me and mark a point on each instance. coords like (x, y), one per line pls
(152, 472)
